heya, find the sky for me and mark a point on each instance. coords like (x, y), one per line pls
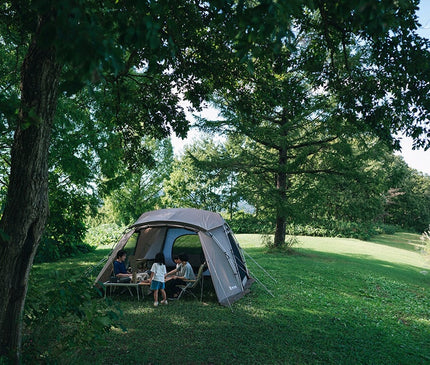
(419, 159)
(416, 159)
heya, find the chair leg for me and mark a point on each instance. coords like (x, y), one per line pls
(180, 294)
(185, 291)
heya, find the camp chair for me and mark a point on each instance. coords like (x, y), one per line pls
(191, 284)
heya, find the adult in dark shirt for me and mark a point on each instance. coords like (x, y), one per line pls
(119, 268)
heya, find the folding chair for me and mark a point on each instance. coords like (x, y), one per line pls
(191, 284)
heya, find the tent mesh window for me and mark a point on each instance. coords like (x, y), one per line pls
(190, 245)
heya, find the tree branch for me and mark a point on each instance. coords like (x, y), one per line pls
(313, 143)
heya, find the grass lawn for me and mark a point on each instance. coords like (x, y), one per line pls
(336, 301)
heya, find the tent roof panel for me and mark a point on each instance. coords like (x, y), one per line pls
(202, 219)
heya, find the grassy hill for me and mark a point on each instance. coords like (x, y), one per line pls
(336, 301)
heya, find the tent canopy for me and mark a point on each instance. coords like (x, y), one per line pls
(159, 231)
(200, 219)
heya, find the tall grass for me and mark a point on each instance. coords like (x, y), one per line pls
(336, 301)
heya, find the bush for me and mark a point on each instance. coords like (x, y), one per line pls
(52, 250)
(248, 223)
(333, 228)
(290, 242)
(80, 320)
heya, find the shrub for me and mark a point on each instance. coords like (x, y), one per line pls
(52, 250)
(247, 223)
(290, 242)
(79, 319)
(334, 228)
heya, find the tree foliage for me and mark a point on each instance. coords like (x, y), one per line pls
(332, 78)
(377, 194)
(142, 190)
(407, 202)
(195, 186)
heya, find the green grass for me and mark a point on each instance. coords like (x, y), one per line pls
(336, 301)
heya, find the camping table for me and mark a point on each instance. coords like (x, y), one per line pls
(110, 285)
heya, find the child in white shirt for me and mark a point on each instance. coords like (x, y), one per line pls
(158, 271)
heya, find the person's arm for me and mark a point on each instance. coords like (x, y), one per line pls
(179, 277)
(120, 274)
(171, 272)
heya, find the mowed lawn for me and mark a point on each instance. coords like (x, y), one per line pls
(335, 301)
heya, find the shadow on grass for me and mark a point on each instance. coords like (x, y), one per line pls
(328, 308)
(405, 241)
(279, 333)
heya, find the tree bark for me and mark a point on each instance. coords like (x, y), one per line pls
(281, 186)
(26, 208)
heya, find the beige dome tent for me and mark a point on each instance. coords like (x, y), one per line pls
(203, 235)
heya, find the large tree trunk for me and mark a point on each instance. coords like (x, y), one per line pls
(281, 187)
(26, 206)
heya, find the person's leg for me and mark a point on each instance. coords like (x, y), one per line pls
(169, 286)
(172, 289)
(163, 293)
(156, 296)
(176, 289)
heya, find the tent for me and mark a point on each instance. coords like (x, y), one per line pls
(203, 235)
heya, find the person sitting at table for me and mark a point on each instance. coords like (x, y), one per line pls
(119, 269)
(186, 272)
(177, 271)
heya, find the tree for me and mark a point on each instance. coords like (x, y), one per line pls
(407, 201)
(21, 225)
(71, 44)
(142, 190)
(355, 195)
(291, 129)
(64, 47)
(195, 183)
(332, 76)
